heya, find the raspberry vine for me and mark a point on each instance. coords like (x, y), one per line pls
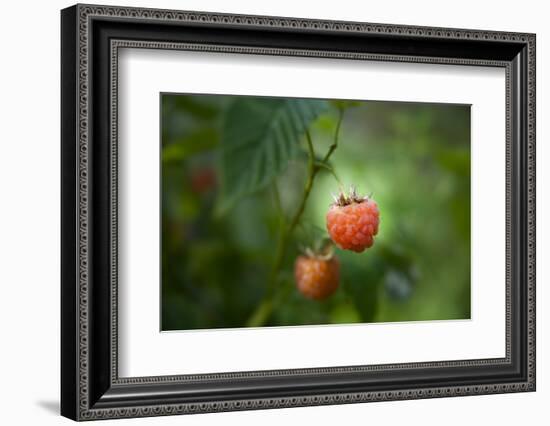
(352, 223)
(262, 313)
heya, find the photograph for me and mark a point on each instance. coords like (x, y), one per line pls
(283, 211)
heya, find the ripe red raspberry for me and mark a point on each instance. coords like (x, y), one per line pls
(317, 277)
(352, 222)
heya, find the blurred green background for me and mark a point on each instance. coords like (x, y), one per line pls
(233, 170)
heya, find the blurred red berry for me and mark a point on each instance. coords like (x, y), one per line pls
(317, 277)
(203, 180)
(352, 222)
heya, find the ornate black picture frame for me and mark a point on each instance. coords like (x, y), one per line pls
(91, 36)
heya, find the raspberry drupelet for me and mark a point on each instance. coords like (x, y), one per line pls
(352, 221)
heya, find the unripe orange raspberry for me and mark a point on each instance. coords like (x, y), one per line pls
(316, 277)
(352, 222)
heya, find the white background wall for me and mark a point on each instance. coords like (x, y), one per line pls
(29, 211)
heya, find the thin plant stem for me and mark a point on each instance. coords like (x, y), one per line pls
(336, 135)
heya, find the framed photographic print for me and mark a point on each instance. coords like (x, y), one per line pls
(263, 212)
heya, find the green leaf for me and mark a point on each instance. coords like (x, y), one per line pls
(345, 313)
(199, 106)
(361, 279)
(203, 139)
(365, 298)
(259, 138)
(455, 160)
